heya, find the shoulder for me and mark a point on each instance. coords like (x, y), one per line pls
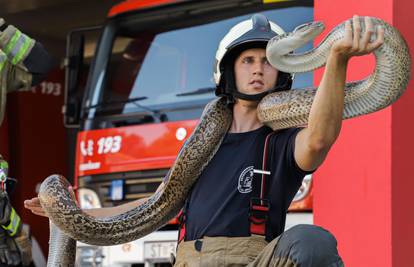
(281, 143)
(285, 134)
(288, 131)
(282, 149)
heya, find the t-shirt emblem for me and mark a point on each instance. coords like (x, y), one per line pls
(245, 180)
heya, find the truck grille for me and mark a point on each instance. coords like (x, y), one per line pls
(137, 184)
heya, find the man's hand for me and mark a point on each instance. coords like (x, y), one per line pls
(34, 206)
(353, 44)
(9, 257)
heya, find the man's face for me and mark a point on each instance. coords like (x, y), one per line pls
(253, 73)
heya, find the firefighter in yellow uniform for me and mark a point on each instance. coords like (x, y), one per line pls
(15, 244)
(23, 64)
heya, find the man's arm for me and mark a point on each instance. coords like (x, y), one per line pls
(312, 144)
(113, 211)
(34, 206)
(23, 60)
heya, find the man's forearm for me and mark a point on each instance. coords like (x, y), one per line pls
(28, 62)
(113, 211)
(104, 212)
(325, 118)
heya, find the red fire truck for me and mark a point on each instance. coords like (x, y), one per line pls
(147, 83)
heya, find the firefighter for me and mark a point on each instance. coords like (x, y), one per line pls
(236, 212)
(23, 62)
(15, 244)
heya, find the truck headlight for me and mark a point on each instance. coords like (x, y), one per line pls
(304, 188)
(88, 199)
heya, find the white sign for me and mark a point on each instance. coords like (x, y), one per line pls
(108, 144)
(159, 250)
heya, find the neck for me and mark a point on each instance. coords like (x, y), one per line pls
(245, 117)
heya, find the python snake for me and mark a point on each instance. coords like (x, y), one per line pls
(278, 110)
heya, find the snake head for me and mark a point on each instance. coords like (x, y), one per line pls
(308, 31)
(284, 44)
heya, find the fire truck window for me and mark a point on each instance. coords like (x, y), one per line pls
(124, 66)
(171, 67)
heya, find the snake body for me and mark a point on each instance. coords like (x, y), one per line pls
(160, 208)
(278, 110)
(62, 248)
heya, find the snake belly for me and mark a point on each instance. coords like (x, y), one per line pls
(278, 110)
(61, 208)
(380, 89)
(62, 248)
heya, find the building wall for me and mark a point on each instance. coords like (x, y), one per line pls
(362, 191)
(4, 145)
(37, 145)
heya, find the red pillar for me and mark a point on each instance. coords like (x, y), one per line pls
(4, 145)
(363, 190)
(402, 150)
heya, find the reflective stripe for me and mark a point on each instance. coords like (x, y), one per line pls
(3, 60)
(12, 42)
(14, 223)
(17, 47)
(26, 43)
(3, 164)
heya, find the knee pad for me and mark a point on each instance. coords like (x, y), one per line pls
(308, 246)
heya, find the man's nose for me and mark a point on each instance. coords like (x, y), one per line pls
(258, 68)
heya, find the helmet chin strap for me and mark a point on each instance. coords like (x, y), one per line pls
(256, 97)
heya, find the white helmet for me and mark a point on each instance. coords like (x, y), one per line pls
(254, 32)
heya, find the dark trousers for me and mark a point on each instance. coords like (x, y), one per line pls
(306, 246)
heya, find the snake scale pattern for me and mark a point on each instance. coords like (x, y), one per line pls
(278, 110)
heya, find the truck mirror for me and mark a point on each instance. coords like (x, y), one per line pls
(80, 45)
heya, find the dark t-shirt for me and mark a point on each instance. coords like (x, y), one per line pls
(219, 202)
